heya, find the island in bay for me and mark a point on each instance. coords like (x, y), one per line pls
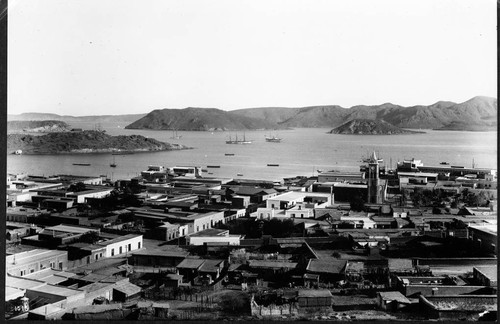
(89, 141)
(369, 127)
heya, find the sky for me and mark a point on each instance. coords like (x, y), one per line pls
(97, 57)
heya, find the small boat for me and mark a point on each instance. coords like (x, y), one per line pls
(444, 163)
(113, 165)
(18, 152)
(82, 164)
(240, 174)
(229, 154)
(213, 166)
(273, 165)
(122, 153)
(273, 139)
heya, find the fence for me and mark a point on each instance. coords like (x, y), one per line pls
(155, 293)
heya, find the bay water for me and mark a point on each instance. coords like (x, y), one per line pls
(302, 151)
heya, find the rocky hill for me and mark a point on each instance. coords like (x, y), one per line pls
(369, 127)
(199, 119)
(84, 142)
(32, 126)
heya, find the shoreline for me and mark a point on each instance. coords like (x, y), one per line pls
(112, 152)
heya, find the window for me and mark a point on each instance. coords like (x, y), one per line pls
(60, 265)
(96, 257)
(129, 246)
(301, 215)
(23, 272)
(203, 226)
(100, 255)
(293, 215)
(121, 251)
(52, 265)
(197, 228)
(112, 252)
(138, 245)
(183, 232)
(32, 270)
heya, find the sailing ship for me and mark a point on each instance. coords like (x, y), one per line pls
(175, 135)
(273, 139)
(113, 165)
(238, 141)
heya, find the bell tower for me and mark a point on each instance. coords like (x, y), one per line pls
(373, 180)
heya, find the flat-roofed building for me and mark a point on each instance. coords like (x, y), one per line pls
(23, 263)
(157, 258)
(294, 204)
(485, 237)
(486, 275)
(81, 196)
(122, 244)
(341, 177)
(213, 235)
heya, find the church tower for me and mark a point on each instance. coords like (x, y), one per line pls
(373, 180)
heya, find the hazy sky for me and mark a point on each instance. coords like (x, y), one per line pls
(94, 57)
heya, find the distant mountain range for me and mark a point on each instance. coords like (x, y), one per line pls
(36, 126)
(125, 119)
(478, 113)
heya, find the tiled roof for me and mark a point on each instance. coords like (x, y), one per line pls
(308, 293)
(394, 296)
(272, 264)
(190, 264)
(330, 266)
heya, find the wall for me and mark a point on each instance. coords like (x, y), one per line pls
(134, 242)
(273, 310)
(200, 240)
(39, 264)
(426, 290)
(208, 221)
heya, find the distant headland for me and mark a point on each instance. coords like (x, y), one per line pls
(84, 142)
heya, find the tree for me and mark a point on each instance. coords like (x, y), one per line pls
(90, 237)
(436, 210)
(76, 187)
(278, 228)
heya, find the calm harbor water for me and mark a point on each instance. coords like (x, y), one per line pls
(302, 152)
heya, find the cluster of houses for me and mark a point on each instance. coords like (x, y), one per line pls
(61, 258)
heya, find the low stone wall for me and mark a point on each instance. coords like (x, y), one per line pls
(457, 307)
(273, 310)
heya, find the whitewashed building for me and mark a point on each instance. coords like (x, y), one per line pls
(122, 244)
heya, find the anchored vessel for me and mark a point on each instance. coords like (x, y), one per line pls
(273, 139)
(238, 141)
